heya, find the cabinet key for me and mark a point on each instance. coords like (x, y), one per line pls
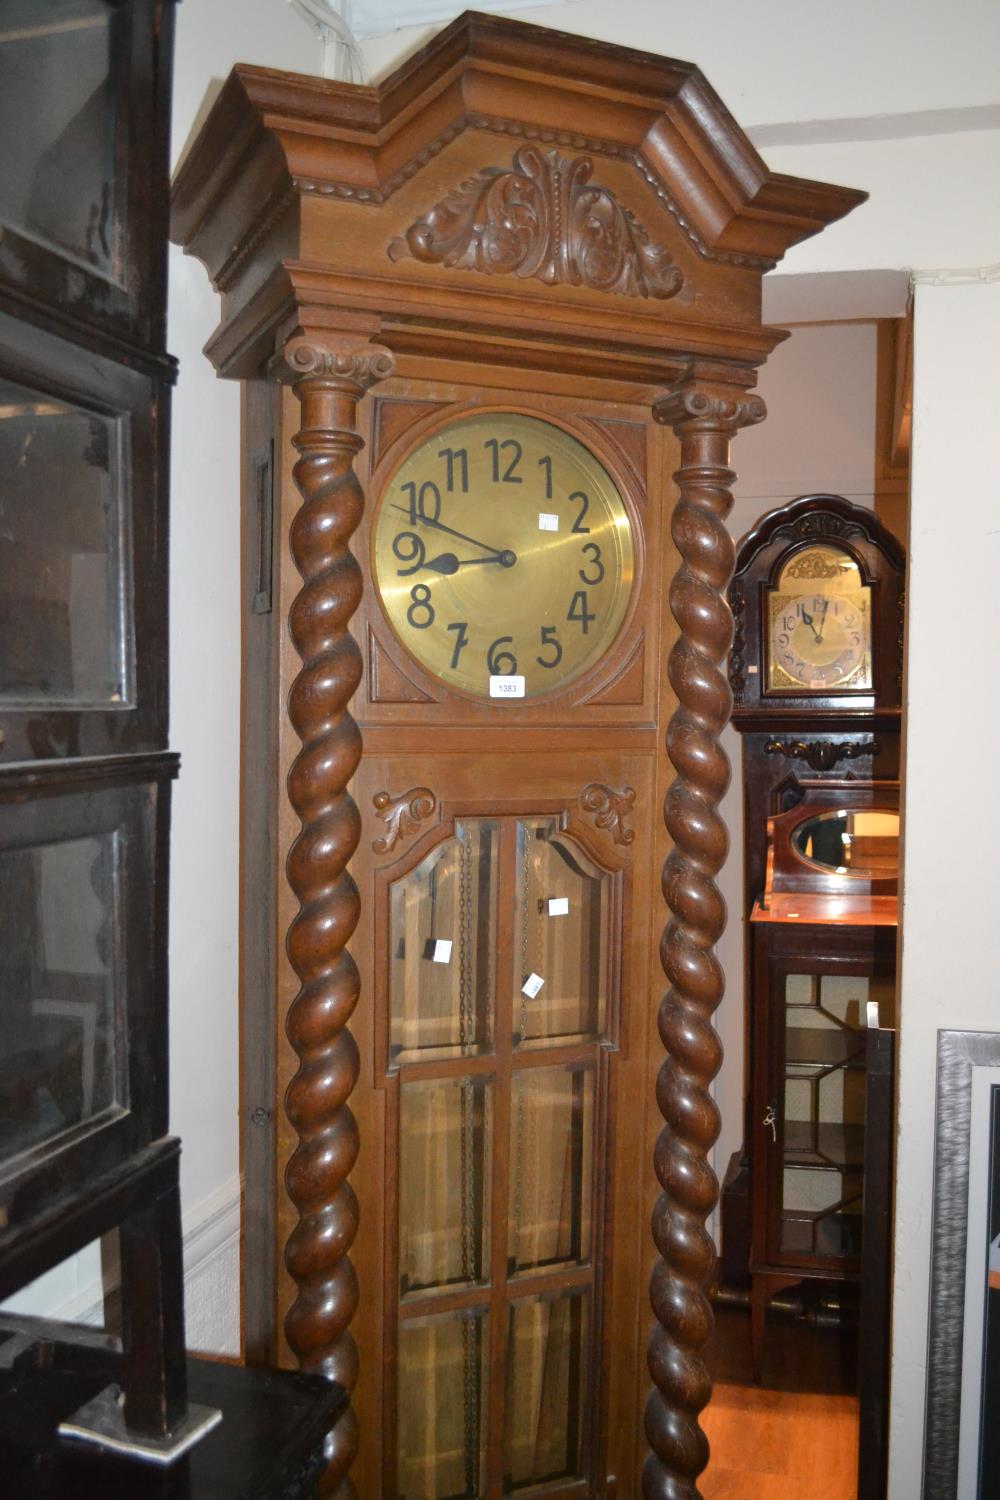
(770, 1119)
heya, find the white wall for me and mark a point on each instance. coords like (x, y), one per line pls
(951, 978)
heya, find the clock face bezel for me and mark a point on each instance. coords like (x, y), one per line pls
(587, 682)
(770, 587)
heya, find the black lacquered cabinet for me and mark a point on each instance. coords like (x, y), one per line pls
(85, 775)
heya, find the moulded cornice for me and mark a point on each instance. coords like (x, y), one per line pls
(485, 72)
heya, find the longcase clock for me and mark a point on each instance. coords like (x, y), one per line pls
(482, 313)
(816, 672)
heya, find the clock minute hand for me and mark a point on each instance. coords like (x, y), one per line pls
(440, 526)
(822, 620)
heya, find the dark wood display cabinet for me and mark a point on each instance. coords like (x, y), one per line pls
(823, 944)
(85, 775)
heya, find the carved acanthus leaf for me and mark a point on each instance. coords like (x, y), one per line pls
(609, 809)
(402, 815)
(542, 218)
(822, 755)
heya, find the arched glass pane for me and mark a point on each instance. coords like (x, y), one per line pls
(442, 950)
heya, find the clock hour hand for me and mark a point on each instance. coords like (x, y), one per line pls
(422, 520)
(448, 563)
(807, 619)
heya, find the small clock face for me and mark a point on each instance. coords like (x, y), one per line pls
(819, 625)
(504, 556)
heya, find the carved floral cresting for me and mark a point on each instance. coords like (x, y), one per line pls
(402, 815)
(609, 809)
(822, 755)
(545, 219)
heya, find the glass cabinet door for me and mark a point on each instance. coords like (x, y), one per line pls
(501, 977)
(64, 641)
(819, 1113)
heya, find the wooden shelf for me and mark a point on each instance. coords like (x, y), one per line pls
(810, 1046)
(826, 1145)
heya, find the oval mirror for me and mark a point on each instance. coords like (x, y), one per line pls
(850, 841)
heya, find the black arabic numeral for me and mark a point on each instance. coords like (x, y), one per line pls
(578, 610)
(421, 597)
(418, 501)
(594, 550)
(461, 641)
(456, 458)
(508, 476)
(495, 658)
(546, 464)
(578, 525)
(408, 548)
(549, 639)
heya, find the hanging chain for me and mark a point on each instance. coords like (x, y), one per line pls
(467, 1037)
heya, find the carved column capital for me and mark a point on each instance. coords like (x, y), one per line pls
(709, 405)
(350, 364)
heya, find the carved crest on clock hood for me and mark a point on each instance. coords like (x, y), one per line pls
(542, 217)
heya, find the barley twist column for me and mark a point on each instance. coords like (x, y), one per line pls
(705, 417)
(329, 384)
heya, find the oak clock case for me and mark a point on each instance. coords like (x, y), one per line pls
(505, 934)
(500, 233)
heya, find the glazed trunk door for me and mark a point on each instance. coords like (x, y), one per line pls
(818, 1025)
(500, 950)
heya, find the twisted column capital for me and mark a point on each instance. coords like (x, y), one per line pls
(710, 405)
(346, 363)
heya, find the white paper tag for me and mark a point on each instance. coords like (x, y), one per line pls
(442, 951)
(752, 670)
(547, 521)
(508, 685)
(558, 906)
(872, 1009)
(532, 985)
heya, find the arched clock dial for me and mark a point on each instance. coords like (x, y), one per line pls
(503, 556)
(819, 625)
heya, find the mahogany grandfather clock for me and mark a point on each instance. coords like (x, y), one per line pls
(483, 312)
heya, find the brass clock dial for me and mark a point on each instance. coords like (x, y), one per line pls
(503, 556)
(819, 625)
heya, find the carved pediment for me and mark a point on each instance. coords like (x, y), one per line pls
(543, 218)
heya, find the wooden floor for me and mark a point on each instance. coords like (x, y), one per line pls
(780, 1445)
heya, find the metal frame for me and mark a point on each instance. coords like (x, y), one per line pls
(959, 1052)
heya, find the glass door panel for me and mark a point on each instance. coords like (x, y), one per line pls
(546, 1384)
(561, 939)
(551, 1164)
(64, 640)
(444, 1134)
(58, 1063)
(442, 952)
(60, 183)
(498, 1154)
(440, 1443)
(823, 1116)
